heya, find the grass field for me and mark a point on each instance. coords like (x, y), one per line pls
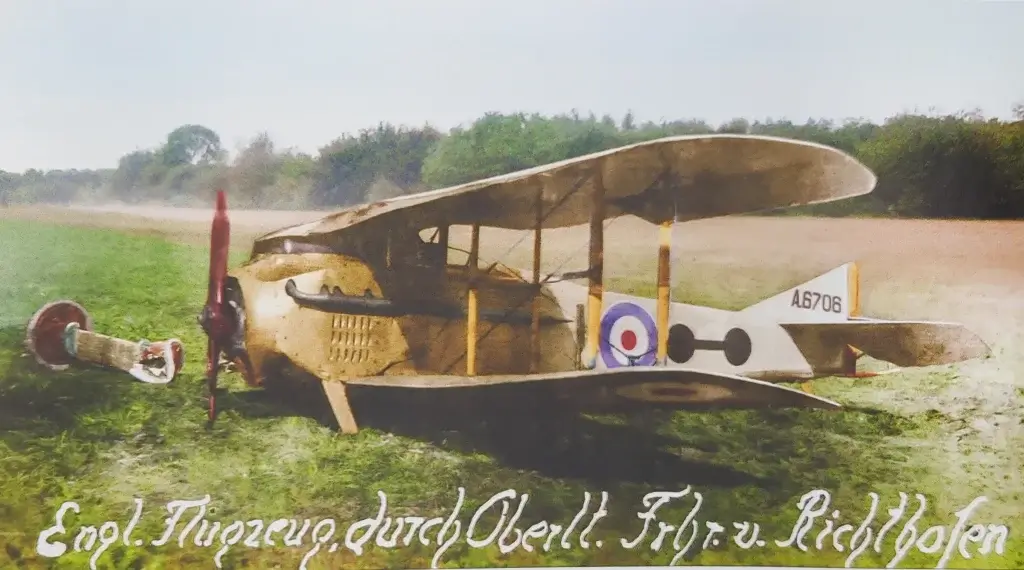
(101, 439)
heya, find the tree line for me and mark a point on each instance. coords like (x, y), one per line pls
(960, 165)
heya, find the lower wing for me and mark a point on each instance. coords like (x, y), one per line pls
(903, 343)
(619, 390)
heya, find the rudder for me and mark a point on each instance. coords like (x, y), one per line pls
(831, 297)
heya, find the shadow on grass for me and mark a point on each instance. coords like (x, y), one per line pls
(41, 402)
(773, 453)
(539, 438)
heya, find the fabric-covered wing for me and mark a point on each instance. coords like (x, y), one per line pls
(903, 343)
(696, 176)
(618, 390)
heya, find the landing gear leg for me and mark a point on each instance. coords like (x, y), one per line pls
(337, 396)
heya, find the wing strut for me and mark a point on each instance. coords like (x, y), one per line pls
(473, 309)
(664, 288)
(442, 238)
(596, 291)
(535, 324)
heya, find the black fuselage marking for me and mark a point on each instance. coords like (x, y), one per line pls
(702, 344)
(682, 345)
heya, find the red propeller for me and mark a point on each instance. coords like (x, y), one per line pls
(216, 319)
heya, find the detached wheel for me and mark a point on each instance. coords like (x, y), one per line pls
(44, 335)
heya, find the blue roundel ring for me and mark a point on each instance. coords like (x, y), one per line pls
(616, 312)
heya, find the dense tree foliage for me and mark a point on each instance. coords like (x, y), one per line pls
(349, 166)
(960, 165)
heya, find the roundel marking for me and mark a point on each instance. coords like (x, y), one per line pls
(736, 346)
(681, 343)
(628, 336)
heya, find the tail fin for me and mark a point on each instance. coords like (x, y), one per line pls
(831, 297)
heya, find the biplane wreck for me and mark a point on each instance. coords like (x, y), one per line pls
(360, 298)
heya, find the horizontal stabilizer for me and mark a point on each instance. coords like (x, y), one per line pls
(903, 343)
(622, 389)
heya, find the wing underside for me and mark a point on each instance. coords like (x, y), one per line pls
(619, 390)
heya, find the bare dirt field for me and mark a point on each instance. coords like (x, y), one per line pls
(977, 268)
(976, 259)
(971, 272)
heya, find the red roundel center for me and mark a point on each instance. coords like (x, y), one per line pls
(628, 340)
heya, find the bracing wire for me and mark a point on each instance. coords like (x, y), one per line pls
(548, 278)
(523, 302)
(545, 215)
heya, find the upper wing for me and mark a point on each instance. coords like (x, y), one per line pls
(618, 390)
(693, 176)
(903, 343)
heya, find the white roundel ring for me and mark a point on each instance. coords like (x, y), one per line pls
(629, 336)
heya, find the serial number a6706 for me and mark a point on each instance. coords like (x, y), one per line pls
(813, 301)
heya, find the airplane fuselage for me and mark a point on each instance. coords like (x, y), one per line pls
(338, 317)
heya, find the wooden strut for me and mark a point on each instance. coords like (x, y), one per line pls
(442, 238)
(535, 324)
(337, 397)
(472, 310)
(664, 289)
(595, 296)
(581, 335)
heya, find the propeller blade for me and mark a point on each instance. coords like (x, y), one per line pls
(212, 361)
(214, 319)
(220, 239)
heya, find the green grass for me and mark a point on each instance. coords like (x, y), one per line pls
(99, 438)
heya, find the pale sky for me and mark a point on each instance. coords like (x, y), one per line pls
(83, 82)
